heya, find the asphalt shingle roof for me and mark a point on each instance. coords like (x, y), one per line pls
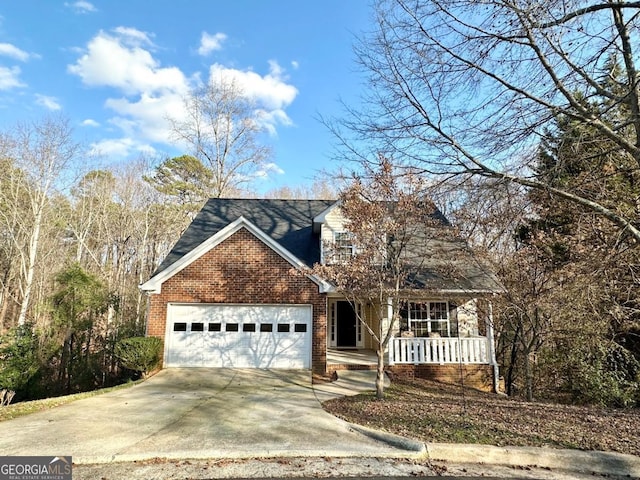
(443, 261)
(447, 263)
(288, 222)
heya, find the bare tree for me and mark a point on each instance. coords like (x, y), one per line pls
(322, 188)
(40, 154)
(90, 203)
(222, 130)
(468, 88)
(391, 225)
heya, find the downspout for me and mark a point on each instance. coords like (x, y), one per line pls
(492, 351)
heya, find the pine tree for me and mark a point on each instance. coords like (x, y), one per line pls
(595, 265)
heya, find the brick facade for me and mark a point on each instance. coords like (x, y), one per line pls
(474, 376)
(243, 270)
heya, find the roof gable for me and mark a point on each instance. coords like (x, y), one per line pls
(288, 222)
(284, 225)
(154, 284)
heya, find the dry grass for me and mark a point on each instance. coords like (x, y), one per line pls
(433, 412)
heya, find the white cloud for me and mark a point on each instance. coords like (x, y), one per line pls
(81, 6)
(9, 78)
(50, 103)
(146, 118)
(134, 36)
(270, 119)
(9, 50)
(119, 147)
(271, 92)
(148, 93)
(210, 43)
(118, 60)
(295, 65)
(90, 122)
(122, 59)
(268, 169)
(265, 173)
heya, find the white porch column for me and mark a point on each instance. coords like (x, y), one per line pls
(385, 327)
(391, 351)
(492, 349)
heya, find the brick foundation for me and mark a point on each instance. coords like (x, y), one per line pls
(475, 376)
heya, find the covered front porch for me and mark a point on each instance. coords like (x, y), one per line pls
(439, 332)
(414, 351)
(464, 361)
(445, 339)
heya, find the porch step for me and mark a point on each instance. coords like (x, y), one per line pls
(360, 359)
(332, 367)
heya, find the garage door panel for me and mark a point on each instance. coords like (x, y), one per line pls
(210, 348)
(240, 336)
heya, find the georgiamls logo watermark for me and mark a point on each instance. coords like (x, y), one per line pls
(36, 468)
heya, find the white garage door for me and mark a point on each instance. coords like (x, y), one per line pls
(238, 336)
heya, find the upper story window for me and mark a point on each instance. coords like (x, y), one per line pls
(344, 248)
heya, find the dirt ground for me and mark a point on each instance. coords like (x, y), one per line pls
(437, 413)
(323, 467)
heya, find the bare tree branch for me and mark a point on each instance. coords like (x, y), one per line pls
(461, 88)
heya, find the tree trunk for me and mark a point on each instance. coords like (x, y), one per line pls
(528, 376)
(4, 303)
(380, 374)
(31, 267)
(512, 361)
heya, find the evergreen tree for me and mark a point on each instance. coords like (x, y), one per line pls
(186, 180)
(594, 265)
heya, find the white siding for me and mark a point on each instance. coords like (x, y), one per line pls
(468, 319)
(334, 222)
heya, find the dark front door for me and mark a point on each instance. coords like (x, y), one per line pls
(346, 325)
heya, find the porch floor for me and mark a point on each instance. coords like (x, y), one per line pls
(360, 359)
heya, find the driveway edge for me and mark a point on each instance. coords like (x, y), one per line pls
(562, 459)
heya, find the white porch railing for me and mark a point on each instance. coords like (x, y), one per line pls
(422, 350)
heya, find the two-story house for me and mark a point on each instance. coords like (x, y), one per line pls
(236, 291)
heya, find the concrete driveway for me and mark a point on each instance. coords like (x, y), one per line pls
(193, 413)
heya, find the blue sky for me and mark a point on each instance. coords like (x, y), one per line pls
(116, 69)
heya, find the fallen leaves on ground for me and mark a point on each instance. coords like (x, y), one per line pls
(434, 412)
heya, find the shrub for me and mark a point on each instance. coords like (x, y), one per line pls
(18, 361)
(141, 354)
(607, 375)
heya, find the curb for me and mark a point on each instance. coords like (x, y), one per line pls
(392, 439)
(561, 459)
(579, 461)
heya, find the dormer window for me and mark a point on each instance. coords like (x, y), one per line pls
(343, 245)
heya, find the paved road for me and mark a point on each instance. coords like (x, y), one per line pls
(193, 413)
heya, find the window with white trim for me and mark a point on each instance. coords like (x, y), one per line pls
(426, 319)
(344, 249)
